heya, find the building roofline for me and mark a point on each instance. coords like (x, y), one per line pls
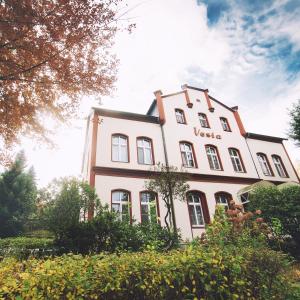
(267, 138)
(151, 108)
(125, 115)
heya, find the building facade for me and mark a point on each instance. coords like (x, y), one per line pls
(192, 131)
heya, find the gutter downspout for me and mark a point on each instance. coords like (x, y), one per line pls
(252, 157)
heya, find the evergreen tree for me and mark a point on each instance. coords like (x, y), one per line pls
(17, 197)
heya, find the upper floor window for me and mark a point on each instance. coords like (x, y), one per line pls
(187, 154)
(225, 124)
(120, 204)
(180, 118)
(149, 208)
(213, 157)
(120, 148)
(203, 120)
(144, 151)
(279, 166)
(198, 210)
(236, 160)
(264, 164)
(223, 199)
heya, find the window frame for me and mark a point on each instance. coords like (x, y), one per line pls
(276, 156)
(157, 206)
(129, 202)
(128, 150)
(193, 153)
(271, 174)
(217, 154)
(206, 120)
(152, 150)
(240, 158)
(245, 202)
(227, 195)
(204, 208)
(227, 124)
(183, 115)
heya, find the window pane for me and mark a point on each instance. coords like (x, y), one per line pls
(123, 154)
(148, 159)
(199, 215)
(140, 155)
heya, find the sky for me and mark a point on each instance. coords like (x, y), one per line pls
(246, 52)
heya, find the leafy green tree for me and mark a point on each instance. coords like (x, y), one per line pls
(65, 202)
(17, 197)
(295, 123)
(280, 208)
(171, 185)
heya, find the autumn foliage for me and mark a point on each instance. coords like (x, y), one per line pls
(52, 53)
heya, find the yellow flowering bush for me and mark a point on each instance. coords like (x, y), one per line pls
(191, 273)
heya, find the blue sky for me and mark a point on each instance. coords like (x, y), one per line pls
(247, 53)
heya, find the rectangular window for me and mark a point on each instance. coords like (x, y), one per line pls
(144, 150)
(225, 124)
(264, 164)
(279, 166)
(180, 118)
(119, 148)
(236, 160)
(187, 155)
(203, 120)
(195, 209)
(149, 208)
(120, 204)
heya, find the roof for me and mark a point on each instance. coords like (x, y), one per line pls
(266, 138)
(125, 115)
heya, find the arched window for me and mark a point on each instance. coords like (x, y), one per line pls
(119, 148)
(236, 160)
(223, 198)
(198, 210)
(187, 155)
(225, 124)
(264, 164)
(180, 117)
(145, 151)
(149, 207)
(120, 203)
(203, 120)
(279, 165)
(213, 157)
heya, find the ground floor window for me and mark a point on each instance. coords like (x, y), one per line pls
(121, 204)
(149, 208)
(223, 199)
(245, 200)
(197, 208)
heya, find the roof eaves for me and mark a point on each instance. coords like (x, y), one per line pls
(267, 138)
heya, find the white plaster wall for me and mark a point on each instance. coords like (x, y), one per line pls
(105, 184)
(269, 149)
(132, 129)
(175, 132)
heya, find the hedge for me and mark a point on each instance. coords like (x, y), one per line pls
(179, 274)
(24, 246)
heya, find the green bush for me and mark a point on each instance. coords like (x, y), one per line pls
(23, 247)
(179, 274)
(107, 233)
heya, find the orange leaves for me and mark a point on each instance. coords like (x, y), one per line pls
(51, 49)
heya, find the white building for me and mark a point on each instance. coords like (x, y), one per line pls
(188, 129)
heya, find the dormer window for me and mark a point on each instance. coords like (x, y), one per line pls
(203, 120)
(225, 124)
(180, 118)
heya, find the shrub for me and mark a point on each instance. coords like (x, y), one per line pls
(22, 247)
(281, 210)
(107, 233)
(179, 274)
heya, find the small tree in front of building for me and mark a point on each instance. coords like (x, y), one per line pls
(171, 185)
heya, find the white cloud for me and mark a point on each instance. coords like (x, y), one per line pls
(172, 45)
